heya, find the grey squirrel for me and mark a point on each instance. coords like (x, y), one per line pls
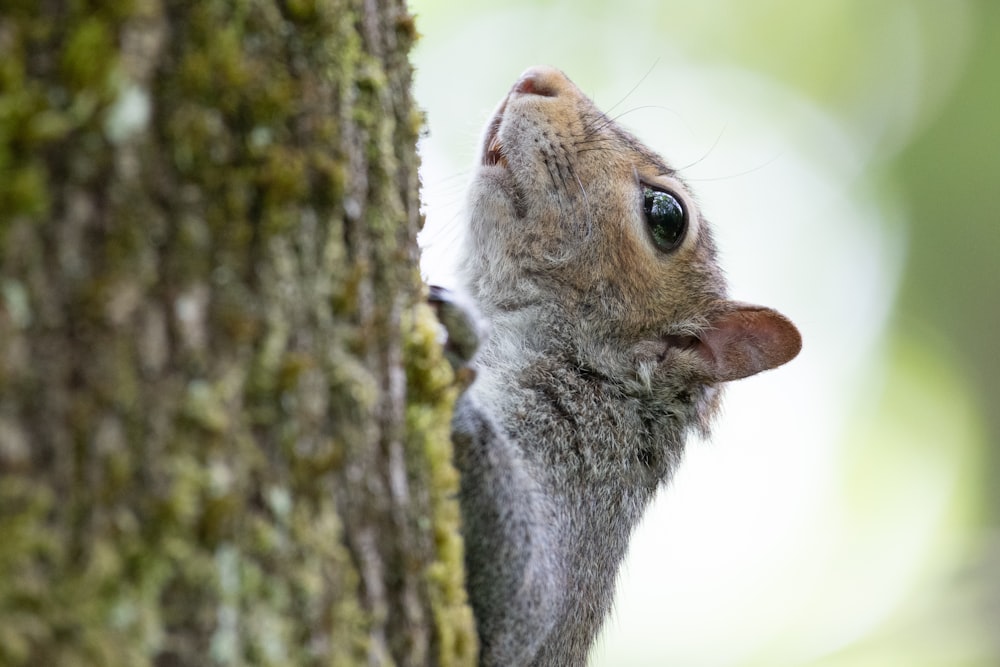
(609, 335)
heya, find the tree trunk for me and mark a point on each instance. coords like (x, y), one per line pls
(223, 411)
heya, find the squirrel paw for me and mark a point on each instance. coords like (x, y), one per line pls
(462, 329)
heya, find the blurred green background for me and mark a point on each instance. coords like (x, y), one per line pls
(848, 154)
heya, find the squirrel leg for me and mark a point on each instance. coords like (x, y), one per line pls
(513, 576)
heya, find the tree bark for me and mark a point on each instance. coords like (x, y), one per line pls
(223, 410)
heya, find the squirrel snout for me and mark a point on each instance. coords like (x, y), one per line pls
(540, 80)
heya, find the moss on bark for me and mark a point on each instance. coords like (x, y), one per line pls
(223, 412)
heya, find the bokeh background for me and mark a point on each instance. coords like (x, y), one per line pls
(845, 512)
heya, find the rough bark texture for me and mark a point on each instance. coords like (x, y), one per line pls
(223, 413)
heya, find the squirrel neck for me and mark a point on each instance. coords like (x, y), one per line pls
(538, 331)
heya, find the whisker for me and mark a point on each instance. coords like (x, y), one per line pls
(434, 233)
(603, 121)
(596, 140)
(658, 107)
(739, 173)
(593, 125)
(586, 200)
(635, 87)
(711, 148)
(562, 179)
(550, 168)
(464, 173)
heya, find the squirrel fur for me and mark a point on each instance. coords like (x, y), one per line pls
(604, 350)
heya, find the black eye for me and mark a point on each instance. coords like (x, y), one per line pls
(665, 216)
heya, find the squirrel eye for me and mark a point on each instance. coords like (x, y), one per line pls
(665, 216)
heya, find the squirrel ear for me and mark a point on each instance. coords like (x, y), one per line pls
(745, 340)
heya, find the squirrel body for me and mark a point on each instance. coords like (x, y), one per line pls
(609, 335)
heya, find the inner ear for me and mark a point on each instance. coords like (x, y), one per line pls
(744, 340)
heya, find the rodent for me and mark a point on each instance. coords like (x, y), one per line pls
(609, 336)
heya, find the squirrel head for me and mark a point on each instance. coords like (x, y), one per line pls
(573, 217)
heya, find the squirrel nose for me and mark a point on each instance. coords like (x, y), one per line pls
(539, 80)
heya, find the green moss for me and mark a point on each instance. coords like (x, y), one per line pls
(26, 191)
(38, 112)
(205, 72)
(50, 125)
(204, 406)
(88, 52)
(432, 391)
(302, 11)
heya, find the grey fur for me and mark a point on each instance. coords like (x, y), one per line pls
(602, 356)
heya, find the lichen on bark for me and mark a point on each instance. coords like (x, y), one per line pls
(223, 410)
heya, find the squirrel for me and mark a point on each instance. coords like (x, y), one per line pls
(609, 335)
